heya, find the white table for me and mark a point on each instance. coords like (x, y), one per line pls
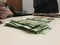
(12, 36)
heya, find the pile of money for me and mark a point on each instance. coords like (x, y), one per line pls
(35, 25)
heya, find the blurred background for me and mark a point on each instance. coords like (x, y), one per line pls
(26, 5)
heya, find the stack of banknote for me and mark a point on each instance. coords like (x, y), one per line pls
(35, 25)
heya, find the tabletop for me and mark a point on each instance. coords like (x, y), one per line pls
(12, 36)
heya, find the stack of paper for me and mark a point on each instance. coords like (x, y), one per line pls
(35, 25)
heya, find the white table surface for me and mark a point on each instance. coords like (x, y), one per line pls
(12, 36)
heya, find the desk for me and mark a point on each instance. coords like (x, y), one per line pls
(12, 36)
